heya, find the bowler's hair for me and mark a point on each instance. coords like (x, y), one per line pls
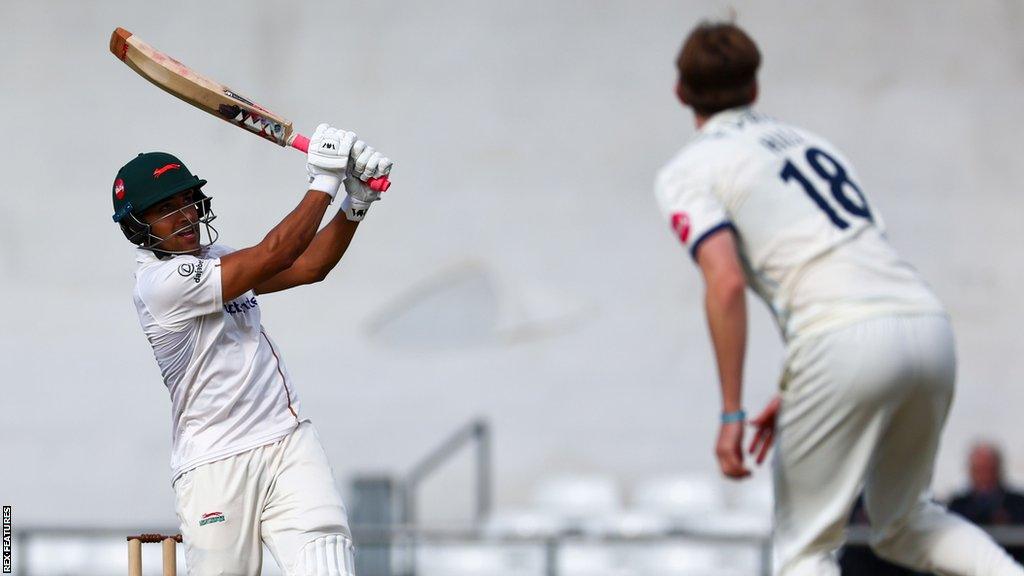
(718, 68)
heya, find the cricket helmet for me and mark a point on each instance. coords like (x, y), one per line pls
(145, 181)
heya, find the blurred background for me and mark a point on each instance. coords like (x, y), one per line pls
(516, 293)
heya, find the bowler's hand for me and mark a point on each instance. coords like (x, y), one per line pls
(729, 450)
(764, 433)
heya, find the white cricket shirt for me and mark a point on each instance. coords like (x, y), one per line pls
(230, 390)
(812, 246)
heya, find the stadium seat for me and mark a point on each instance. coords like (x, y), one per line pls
(749, 511)
(683, 496)
(592, 559)
(754, 495)
(576, 498)
(680, 559)
(476, 559)
(629, 524)
(523, 524)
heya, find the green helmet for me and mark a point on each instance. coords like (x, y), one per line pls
(147, 180)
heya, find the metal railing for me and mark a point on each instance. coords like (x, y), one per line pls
(408, 540)
(478, 433)
(412, 538)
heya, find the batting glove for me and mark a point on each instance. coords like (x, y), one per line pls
(368, 164)
(328, 158)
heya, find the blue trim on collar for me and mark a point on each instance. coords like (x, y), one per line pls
(706, 235)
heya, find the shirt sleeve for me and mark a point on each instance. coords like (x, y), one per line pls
(177, 290)
(692, 210)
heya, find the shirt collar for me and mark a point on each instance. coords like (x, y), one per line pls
(732, 116)
(143, 256)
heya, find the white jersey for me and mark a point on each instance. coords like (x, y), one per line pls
(230, 391)
(812, 246)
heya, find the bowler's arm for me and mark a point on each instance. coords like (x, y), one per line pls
(726, 308)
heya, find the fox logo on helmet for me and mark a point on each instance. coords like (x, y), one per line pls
(119, 189)
(160, 171)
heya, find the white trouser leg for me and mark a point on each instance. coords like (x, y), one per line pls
(304, 522)
(219, 506)
(907, 527)
(868, 402)
(833, 412)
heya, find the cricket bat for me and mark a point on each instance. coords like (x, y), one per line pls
(179, 80)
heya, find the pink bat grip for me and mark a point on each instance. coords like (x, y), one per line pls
(380, 184)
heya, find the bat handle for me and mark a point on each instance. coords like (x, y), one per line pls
(300, 142)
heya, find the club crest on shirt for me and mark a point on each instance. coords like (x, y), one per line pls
(211, 517)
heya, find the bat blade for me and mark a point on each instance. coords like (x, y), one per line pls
(204, 93)
(209, 95)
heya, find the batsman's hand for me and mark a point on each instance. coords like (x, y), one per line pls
(328, 158)
(367, 164)
(729, 451)
(764, 430)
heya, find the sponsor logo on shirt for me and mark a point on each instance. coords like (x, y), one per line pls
(194, 270)
(241, 306)
(211, 517)
(681, 225)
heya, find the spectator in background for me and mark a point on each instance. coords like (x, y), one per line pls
(988, 501)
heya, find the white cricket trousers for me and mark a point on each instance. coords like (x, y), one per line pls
(864, 407)
(281, 494)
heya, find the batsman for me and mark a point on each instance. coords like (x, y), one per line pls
(248, 467)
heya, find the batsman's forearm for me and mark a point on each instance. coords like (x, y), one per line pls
(726, 309)
(291, 237)
(327, 248)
